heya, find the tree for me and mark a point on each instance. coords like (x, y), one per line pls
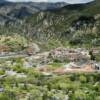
(91, 55)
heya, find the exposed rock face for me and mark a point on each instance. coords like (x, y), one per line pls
(35, 47)
(32, 48)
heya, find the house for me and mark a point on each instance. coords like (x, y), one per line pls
(97, 66)
(29, 51)
(1, 89)
(3, 48)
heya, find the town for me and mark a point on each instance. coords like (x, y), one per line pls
(68, 59)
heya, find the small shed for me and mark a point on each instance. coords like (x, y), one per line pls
(97, 66)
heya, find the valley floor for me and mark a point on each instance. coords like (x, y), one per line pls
(57, 74)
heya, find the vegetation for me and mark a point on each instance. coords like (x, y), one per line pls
(58, 87)
(70, 26)
(31, 84)
(13, 43)
(60, 27)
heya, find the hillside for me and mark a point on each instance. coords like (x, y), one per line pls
(49, 51)
(70, 25)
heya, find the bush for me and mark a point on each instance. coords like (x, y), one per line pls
(2, 72)
(82, 79)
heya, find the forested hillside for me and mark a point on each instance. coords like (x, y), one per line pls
(77, 24)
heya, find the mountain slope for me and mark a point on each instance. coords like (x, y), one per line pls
(73, 24)
(9, 7)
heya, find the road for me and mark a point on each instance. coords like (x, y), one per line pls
(24, 55)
